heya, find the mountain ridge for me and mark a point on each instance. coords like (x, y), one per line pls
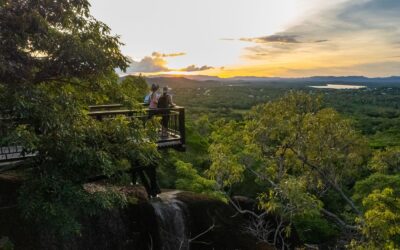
(195, 81)
(255, 78)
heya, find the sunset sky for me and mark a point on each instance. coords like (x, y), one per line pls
(286, 38)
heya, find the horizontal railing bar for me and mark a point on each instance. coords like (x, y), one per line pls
(175, 128)
(116, 105)
(124, 111)
(105, 106)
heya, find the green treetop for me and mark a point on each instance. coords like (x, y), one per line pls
(55, 59)
(298, 150)
(45, 40)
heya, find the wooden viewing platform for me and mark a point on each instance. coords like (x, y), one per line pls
(176, 126)
(11, 155)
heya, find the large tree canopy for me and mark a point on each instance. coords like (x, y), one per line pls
(55, 59)
(44, 40)
(298, 151)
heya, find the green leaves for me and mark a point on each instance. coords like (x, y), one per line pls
(290, 199)
(72, 147)
(226, 168)
(378, 195)
(55, 204)
(189, 179)
(297, 150)
(296, 130)
(381, 220)
(55, 60)
(386, 161)
(375, 181)
(54, 40)
(134, 88)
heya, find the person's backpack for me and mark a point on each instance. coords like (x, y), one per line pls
(146, 100)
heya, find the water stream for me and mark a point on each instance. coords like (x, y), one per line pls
(171, 219)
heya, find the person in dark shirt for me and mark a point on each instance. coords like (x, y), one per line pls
(165, 102)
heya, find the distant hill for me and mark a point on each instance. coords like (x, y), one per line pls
(196, 81)
(393, 81)
(182, 82)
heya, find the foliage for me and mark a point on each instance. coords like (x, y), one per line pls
(226, 169)
(373, 182)
(375, 110)
(372, 112)
(382, 217)
(296, 153)
(54, 40)
(56, 204)
(72, 147)
(55, 60)
(298, 150)
(315, 229)
(386, 161)
(290, 198)
(296, 136)
(6, 244)
(189, 179)
(134, 88)
(381, 220)
(378, 195)
(197, 142)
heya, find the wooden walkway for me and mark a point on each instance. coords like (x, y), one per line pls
(176, 135)
(11, 155)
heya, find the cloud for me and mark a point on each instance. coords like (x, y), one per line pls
(193, 67)
(376, 69)
(157, 63)
(321, 41)
(351, 19)
(148, 64)
(280, 39)
(158, 54)
(356, 32)
(272, 39)
(269, 51)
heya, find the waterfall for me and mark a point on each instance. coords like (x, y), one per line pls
(172, 224)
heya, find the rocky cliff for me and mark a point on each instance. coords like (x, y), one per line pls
(176, 220)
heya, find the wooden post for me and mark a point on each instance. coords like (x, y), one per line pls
(182, 126)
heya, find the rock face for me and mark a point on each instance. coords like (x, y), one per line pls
(176, 220)
(172, 218)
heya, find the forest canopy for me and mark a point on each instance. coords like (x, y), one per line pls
(55, 60)
(313, 162)
(309, 166)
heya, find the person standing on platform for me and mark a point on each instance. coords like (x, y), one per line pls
(164, 103)
(154, 95)
(152, 100)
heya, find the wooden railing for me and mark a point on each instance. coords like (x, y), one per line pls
(172, 121)
(10, 153)
(174, 136)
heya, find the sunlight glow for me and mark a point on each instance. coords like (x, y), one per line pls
(253, 37)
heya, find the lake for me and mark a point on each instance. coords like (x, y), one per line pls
(338, 86)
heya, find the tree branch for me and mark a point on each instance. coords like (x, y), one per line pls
(338, 220)
(241, 211)
(203, 233)
(329, 181)
(8, 207)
